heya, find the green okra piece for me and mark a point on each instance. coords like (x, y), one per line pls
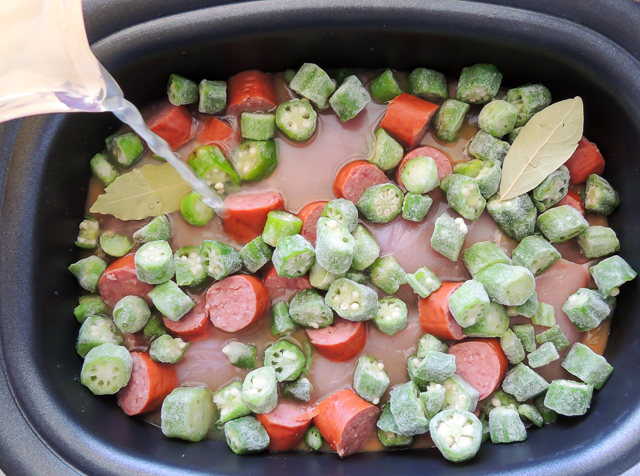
(552, 189)
(459, 395)
(386, 151)
(434, 367)
(486, 173)
(114, 244)
(194, 211)
(381, 203)
(433, 399)
(167, 349)
(505, 426)
(536, 254)
(527, 335)
(463, 195)
(611, 273)
(512, 347)
(385, 87)
(483, 254)
(246, 435)
(366, 249)
(468, 303)
(388, 431)
(229, 402)
(352, 301)
(255, 160)
(158, 229)
(219, 259)
(588, 366)
(154, 262)
(131, 314)
(343, 211)
(188, 266)
(392, 316)
(322, 279)
(257, 125)
(569, 398)
(415, 207)
(370, 380)
(279, 225)
(479, 83)
(394, 440)
(586, 309)
(529, 413)
(486, 147)
(543, 355)
(349, 99)
(240, 354)
(423, 282)
(296, 119)
(545, 315)
(212, 96)
(260, 390)
(498, 400)
(313, 438)
(126, 149)
(528, 309)
(427, 84)
(88, 233)
(106, 369)
(498, 118)
(88, 271)
(89, 305)
(516, 217)
(188, 413)
(359, 277)
(528, 100)
(255, 254)
(449, 119)
(171, 301)
(387, 274)
(420, 175)
(287, 360)
(181, 90)
(562, 223)
(154, 327)
(448, 236)
(524, 383)
(598, 241)
(211, 166)
(555, 336)
(293, 257)
(507, 285)
(300, 390)
(413, 362)
(97, 330)
(599, 196)
(313, 83)
(548, 415)
(494, 324)
(457, 434)
(102, 169)
(309, 309)
(406, 408)
(335, 246)
(281, 322)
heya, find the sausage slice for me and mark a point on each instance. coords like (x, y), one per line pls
(236, 302)
(481, 363)
(341, 341)
(286, 425)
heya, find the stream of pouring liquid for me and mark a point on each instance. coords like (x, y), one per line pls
(47, 66)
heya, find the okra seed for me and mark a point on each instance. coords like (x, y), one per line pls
(416, 361)
(376, 401)
(355, 306)
(344, 289)
(387, 212)
(395, 201)
(450, 441)
(355, 294)
(380, 365)
(344, 306)
(377, 201)
(464, 441)
(219, 186)
(253, 151)
(379, 210)
(332, 224)
(614, 292)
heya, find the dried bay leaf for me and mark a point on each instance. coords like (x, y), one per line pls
(544, 144)
(144, 192)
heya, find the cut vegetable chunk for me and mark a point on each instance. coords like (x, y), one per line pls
(334, 246)
(385, 87)
(407, 410)
(468, 303)
(255, 160)
(188, 413)
(260, 390)
(154, 262)
(167, 349)
(569, 398)
(106, 369)
(524, 383)
(611, 273)
(588, 366)
(95, 331)
(407, 119)
(479, 83)
(528, 100)
(171, 301)
(457, 434)
(352, 301)
(435, 317)
(562, 223)
(309, 309)
(392, 316)
(349, 99)
(313, 83)
(448, 236)
(246, 435)
(293, 257)
(508, 285)
(505, 426)
(427, 84)
(381, 203)
(296, 119)
(449, 119)
(370, 380)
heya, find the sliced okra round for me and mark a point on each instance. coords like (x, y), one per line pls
(281, 322)
(407, 410)
(494, 324)
(97, 330)
(469, 303)
(300, 390)
(385, 87)
(255, 160)
(457, 434)
(260, 390)
(388, 431)
(194, 211)
(88, 272)
(498, 118)
(352, 301)
(246, 435)
(296, 119)
(230, 403)
(240, 354)
(449, 119)
(88, 233)
(499, 399)
(309, 309)
(313, 438)
(320, 278)
(343, 211)
(527, 309)
(555, 336)
(387, 274)
(189, 268)
(286, 359)
(293, 257)
(586, 309)
(548, 415)
(392, 315)
(486, 147)
(255, 254)
(507, 285)
(528, 100)
(459, 395)
(420, 175)
(536, 254)
(131, 314)
(279, 225)
(381, 203)
(219, 259)
(561, 223)
(210, 165)
(167, 349)
(154, 262)
(366, 249)
(188, 413)
(483, 254)
(181, 90)
(588, 366)
(335, 246)
(89, 305)
(103, 170)
(154, 328)
(599, 196)
(349, 99)
(463, 195)
(512, 347)
(415, 207)
(527, 335)
(359, 277)
(433, 399)
(171, 301)
(434, 367)
(106, 369)
(486, 173)
(543, 355)
(386, 151)
(545, 315)
(158, 229)
(126, 149)
(313, 83)
(529, 413)
(448, 236)
(427, 84)
(569, 398)
(598, 241)
(524, 383)
(516, 217)
(430, 343)
(611, 273)
(257, 125)
(370, 380)
(552, 189)
(505, 426)
(212, 96)
(479, 83)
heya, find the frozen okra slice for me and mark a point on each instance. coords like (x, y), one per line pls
(211, 166)
(459, 395)
(189, 268)
(468, 303)
(154, 262)
(479, 83)
(167, 349)
(131, 314)
(370, 380)
(527, 335)
(524, 383)
(313, 83)
(313, 438)
(569, 398)
(505, 426)
(552, 189)
(423, 282)
(309, 309)
(158, 229)
(366, 249)
(531, 413)
(343, 211)
(498, 118)
(420, 175)
(154, 327)
(588, 366)
(188, 413)
(229, 402)
(545, 315)
(598, 241)
(219, 259)
(463, 195)
(528, 100)
(281, 322)
(381, 203)
(359, 277)
(483, 254)
(320, 278)
(543, 355)
(561, 223)
(257, 125)
(95, 331)
(385, 87)
(194, 211)
(246, 435)
(88, 272)
(102, 169)
(260, 390)
(126, 149)
(392, 316)
(512, 347)
(352, 301)
(88, 233)
(388, 431)
(486, 147)
(415, 207)
(448, 236)
(535, 253)
(181, 90)
(335, 246)
(507, 285)
(449, 119)
(434, 367)
(427, 84)
(89, 305)
(293, 257)
(499, 399)
(255, 160)
(387, 152)
(486, 173)
(555, 336)
(433, 399)
(300, 390)
(430, 343)
(240, 354)
(106, 369)
(599, 196)
(349, 99)
(387, 274)
(212, 96)
(406, 408)
(296, 119)
(516, 217)
(611, 273)
(171, 301)
(586, 309)
(287, 360)
(279, 225)
(526, 309)
(493, 324)
(457, 434)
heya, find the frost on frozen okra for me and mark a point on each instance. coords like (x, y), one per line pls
(530, 413)
(545, 315)
(457, 434)
(512, 347)
(126, 149)
(385, 87)
(555, 336)
(569, 398)
(343, 211)
(479, 83)
(106, 369)
(415, 207)
(505, 426)
(561, 223)
(335, 246)
(114, 244)
(516, 217)
(230, 403)
(423, 282)
(433, 399)
(588, 366)
(260, 390)
(171, 301)
(387, 152)
(89, 305)
(188, 266)
(210, 165)
(543, 355)
(296, 119)
(420, 175)
(586, 309)
(527, 335)
(463, 195)
(281, 322)
(313, 83)
(188, 413)
(349, 99)
(459, 395)
(167, 349)
(154, 262)
(527, 309)
(387, 274)
(320, 278)
(611, 273)
(507, 285)
(212, 96)
(430, 343)
(240, 354)
(299, 390)
(370, 380)
(494, 324)
(524, 383)
(552, 189)
(255, 254)
(366, 249)
(486, 147)
(352, 301)
(257, 125)
(279, 225)
(448, 236)
(88, 233)
(388, 431)
(293, 257)
(381, 203)
(598, 241)
(246, 435)
(158, 229)
(486, 173)
(102, 169)
(427, 84)
(599, 196)
(535, 253)
(309, 309)
(434, 367)
(88, 272)
(287, 360)
(131, 314)
(97, 330)
(449, 119)
(219, 259)
(483, 254)
(406, 408)
(528, 100)
(498, 118)
(181, 90)
(255, 160)
(469, 303)
(194, 211)
(392, 315)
